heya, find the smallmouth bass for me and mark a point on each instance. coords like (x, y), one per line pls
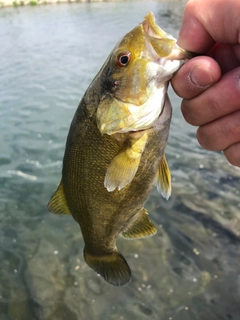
(115, 147)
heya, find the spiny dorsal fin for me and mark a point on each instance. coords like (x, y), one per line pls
(111, 266)
(164, 178)
(124, 165)
(58, 203)
(142, 227)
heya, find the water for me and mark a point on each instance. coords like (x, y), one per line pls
(189, 270)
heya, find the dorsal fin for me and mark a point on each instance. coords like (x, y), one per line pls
(58, 202)
(164, 178)
(142, 227)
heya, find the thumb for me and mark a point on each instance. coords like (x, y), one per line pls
(195, 77)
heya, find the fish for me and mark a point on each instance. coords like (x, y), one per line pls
(115, 149)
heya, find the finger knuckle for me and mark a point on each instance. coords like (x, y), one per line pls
(189, 114)
(232, 154)
(204, 139)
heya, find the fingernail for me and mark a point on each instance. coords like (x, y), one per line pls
(200, 77)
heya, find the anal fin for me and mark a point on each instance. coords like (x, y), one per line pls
(58, 202)
(164, 178)
(142, 227)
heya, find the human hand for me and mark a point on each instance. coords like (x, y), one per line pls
(210, 84)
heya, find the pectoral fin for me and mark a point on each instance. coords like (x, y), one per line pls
(58, 203)
(124, 165)
(121, 171)
(164, 178)
(140, 228)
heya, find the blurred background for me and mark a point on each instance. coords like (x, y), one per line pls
(190, 270)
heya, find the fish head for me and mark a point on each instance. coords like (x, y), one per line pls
(135, 78)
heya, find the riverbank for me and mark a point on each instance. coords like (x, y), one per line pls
(18, 3)
(21, 3)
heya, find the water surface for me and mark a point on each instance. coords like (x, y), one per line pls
(189, 270)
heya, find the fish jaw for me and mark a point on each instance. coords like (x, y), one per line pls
(162, 44)
(164, 55)
(130, 117)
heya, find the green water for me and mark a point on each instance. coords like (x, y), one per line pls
(189, 270)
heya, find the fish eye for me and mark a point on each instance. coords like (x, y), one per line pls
(123, 59)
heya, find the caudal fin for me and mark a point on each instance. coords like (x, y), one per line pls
(111, 266)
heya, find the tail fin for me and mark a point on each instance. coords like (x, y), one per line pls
(111, 266)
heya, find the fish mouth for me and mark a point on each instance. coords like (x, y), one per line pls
(163, 45)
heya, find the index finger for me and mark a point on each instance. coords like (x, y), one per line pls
(207, 22)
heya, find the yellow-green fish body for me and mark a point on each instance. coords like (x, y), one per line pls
(115, 147)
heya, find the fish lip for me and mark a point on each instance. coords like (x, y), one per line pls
(152, 29)
(179, 54)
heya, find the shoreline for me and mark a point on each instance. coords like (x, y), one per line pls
(22, 3)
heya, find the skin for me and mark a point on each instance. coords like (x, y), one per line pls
(210, 84)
